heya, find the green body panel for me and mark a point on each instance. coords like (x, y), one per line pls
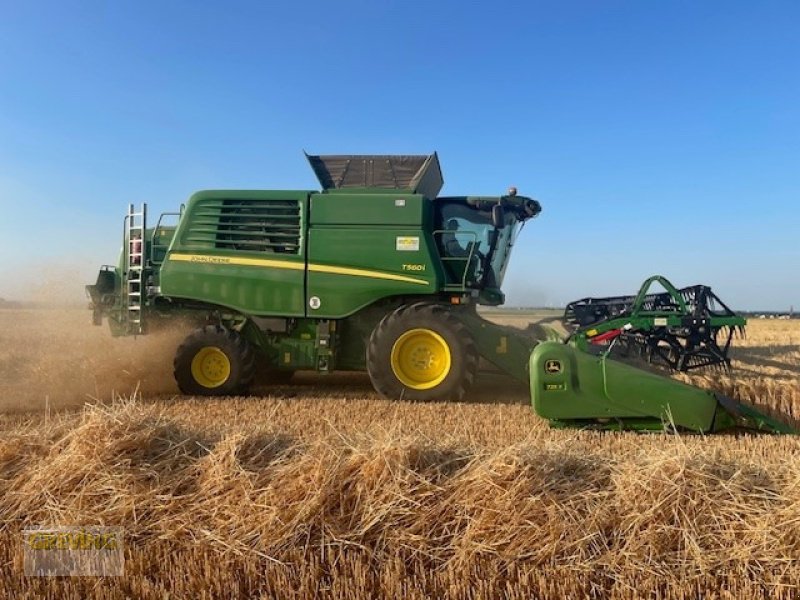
(366, 247)
(350, 268)
(347, 259)
(383, 209)
(252, 282)
(252, 290)
(572, 385)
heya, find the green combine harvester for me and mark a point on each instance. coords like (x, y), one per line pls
(378, 273)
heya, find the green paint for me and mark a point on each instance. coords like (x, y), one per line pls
(307, 276)
(381, 209)
(597, 392)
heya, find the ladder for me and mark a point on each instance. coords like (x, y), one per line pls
(135, 263)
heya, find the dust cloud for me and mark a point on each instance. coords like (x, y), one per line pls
(55, 358)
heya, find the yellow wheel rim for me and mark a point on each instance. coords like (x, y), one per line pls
(420, 359)
(211, 367)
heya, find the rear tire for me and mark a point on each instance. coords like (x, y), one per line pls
(214, 361)
(422, 352)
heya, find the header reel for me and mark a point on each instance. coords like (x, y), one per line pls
(684, 329)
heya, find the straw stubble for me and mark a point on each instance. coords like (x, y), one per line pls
(320, 489)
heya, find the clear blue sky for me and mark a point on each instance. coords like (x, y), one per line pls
(660, 137)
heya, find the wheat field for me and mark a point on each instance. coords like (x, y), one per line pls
(321, 489)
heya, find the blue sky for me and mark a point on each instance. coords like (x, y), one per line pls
(659, 137)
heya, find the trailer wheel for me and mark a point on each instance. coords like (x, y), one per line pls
(214, 361)
(422, 352)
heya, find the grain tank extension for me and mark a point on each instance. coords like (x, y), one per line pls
(377, 272)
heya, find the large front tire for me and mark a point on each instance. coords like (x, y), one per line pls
(422, 352)
(214, 361)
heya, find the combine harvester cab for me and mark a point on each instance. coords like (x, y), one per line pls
(378, 273)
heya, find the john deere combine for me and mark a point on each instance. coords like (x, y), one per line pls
(377, 272)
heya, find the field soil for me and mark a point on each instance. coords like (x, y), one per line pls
(321, 489)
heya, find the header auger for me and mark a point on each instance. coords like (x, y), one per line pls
(379, 273)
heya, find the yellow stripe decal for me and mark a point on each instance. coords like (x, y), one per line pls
(364, 273)
(237, 260)
(294, 266)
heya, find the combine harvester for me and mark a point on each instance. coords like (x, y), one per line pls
(377, 272)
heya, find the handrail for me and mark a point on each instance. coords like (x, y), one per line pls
(467, 259)
(153, 244)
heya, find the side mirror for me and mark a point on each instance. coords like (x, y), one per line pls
(498, 216)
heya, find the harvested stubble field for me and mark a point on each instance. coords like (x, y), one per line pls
(320, 489)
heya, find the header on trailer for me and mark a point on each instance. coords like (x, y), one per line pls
(416, 174)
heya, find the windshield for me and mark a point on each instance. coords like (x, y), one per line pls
(464, 237)
(505, 240)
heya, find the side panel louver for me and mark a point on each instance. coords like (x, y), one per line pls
(272, 226)
(241, 250)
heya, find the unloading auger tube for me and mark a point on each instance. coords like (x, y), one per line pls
(580, 382)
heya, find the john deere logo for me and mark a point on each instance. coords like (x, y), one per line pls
(552, 366)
